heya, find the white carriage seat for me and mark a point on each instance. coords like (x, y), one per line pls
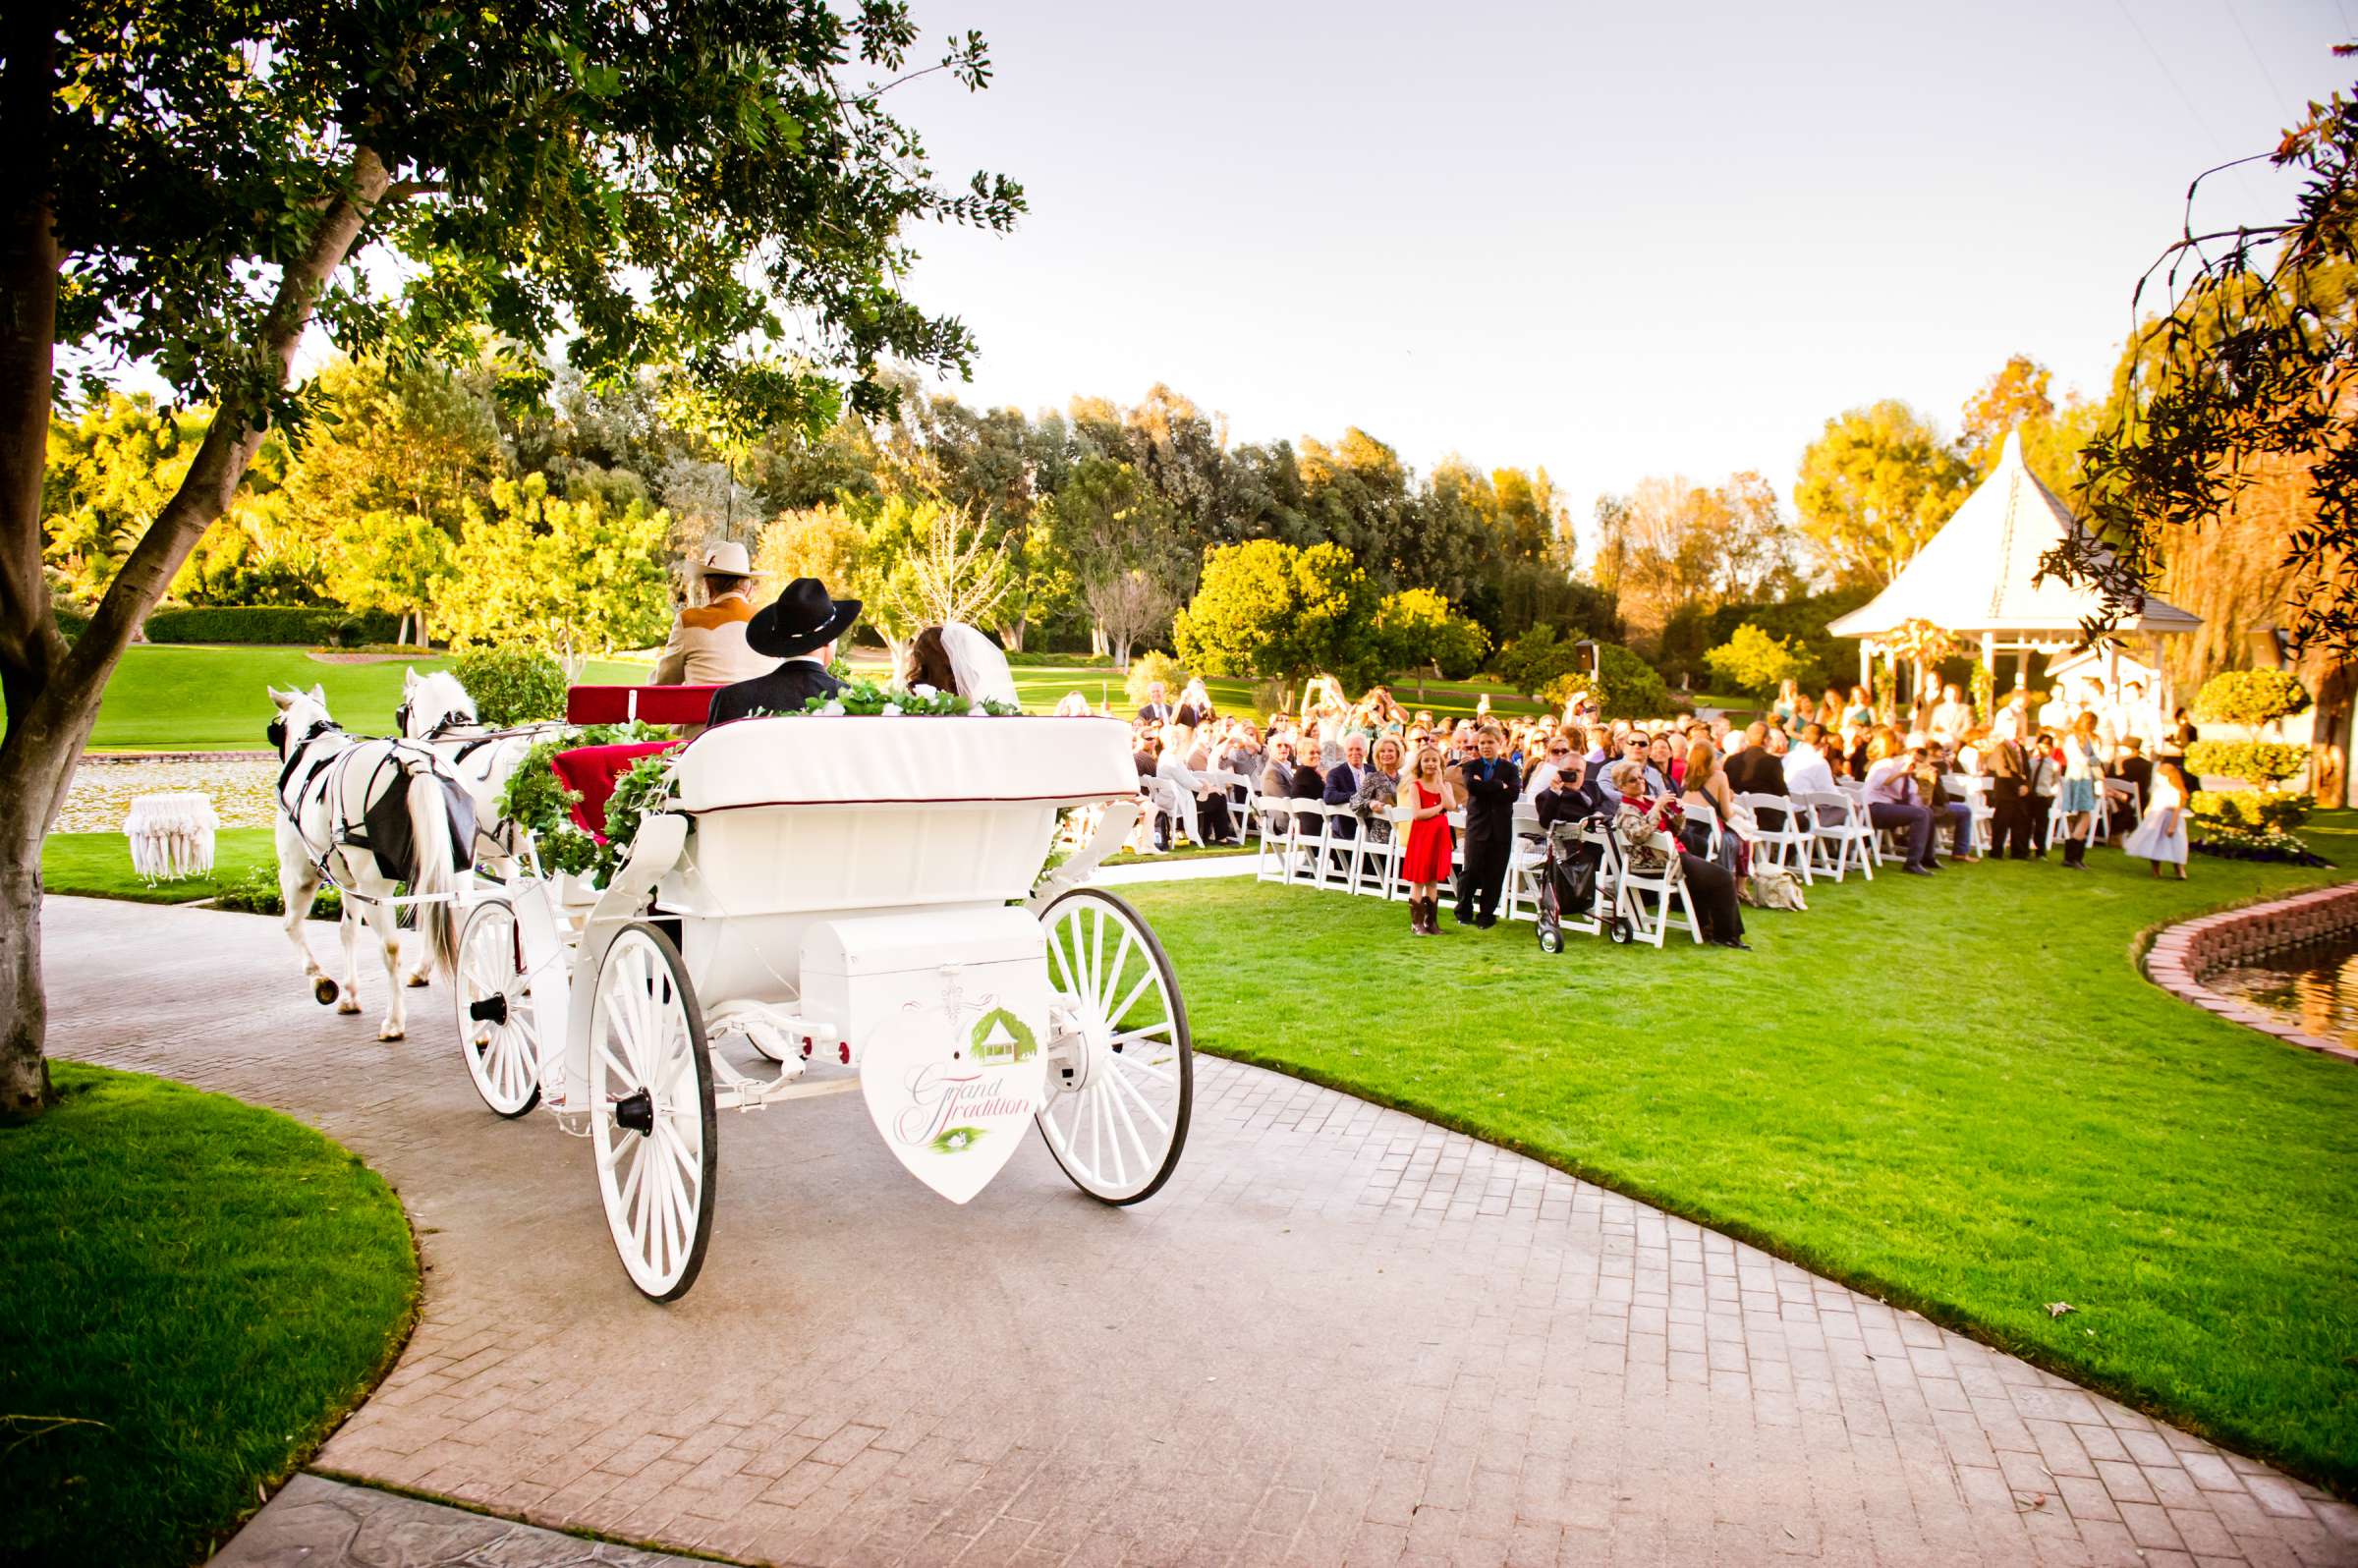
(808, 760)
(805, 817)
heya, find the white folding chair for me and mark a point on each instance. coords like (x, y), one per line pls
(1841, 833)
(1526, 864)
(1785, 847)
(1666, 887)
(1974, 790)
(1273, 817)
(1337, 862)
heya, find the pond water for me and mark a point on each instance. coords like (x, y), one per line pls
(2315, 984)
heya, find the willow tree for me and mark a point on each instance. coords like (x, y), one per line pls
(2237, 410)
(189, 187)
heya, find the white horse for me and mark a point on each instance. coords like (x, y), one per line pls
(328, 781)
(437, 713)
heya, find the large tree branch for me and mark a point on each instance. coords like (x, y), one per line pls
(236, 432)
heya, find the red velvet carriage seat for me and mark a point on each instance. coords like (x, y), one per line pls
(651, 704)
(592, 771)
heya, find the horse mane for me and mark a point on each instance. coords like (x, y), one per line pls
(440, 693)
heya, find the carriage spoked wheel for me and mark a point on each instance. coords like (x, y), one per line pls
(497, 1032)
(652, 1119)
(1121, 1067)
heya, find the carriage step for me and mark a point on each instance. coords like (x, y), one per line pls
(751, 1094)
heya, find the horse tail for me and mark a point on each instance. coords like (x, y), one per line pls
(431, 847)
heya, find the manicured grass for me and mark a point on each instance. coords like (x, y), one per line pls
(187, 699)
(1957, 1093)
(196, 1292)
(99, 864)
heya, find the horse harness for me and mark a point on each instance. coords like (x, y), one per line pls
(383, 832)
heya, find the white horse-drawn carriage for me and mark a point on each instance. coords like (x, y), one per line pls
(821, 905)
(859, 901)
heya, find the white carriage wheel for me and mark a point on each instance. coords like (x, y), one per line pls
(498, 1033)
(1121, 1065)
(652, 1119)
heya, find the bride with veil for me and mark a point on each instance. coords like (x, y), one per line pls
(956, 657)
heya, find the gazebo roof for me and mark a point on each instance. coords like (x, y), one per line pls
(1979, 573)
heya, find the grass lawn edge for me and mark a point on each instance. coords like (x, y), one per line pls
(2129, 1392)
(464, 1505)
(398, 1333)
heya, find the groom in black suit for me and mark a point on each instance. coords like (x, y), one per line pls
(801, 629)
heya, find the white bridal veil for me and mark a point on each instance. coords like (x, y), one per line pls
(977, 665)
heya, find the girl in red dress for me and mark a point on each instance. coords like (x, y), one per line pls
(1426, 795)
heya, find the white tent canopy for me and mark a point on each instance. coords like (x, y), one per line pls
(1978, 577)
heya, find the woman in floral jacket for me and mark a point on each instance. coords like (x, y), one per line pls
(1647, 830)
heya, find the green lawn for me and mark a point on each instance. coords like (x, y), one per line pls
(1957, 1093)
(197, 1291)
(99, 864)
(184, 699)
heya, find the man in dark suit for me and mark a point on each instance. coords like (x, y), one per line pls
(1344, 781)
(1491, 787)
(1759, 769)
(801, 629)
(1157, 710)
(2009, 790)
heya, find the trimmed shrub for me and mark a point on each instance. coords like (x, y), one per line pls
(513, 682)
(287, 625)
(2257, 762)
(1628, 686)
(2236, 813)
(2251, 698)
(1753, 661)
(1152, 666)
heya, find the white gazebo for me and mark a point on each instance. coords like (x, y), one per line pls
(1978, 577)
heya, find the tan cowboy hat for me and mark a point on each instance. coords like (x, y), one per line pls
(728, 559)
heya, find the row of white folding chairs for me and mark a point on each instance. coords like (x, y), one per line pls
(1303, 842)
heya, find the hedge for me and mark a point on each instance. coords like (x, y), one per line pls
(301, 625)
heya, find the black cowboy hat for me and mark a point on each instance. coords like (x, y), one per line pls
(802, 621)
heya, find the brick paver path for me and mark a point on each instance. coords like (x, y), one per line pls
(1340, 1336)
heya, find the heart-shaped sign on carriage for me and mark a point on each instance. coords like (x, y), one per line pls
(954, 1091)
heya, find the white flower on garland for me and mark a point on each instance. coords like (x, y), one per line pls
(920, 688)
(892, 711)
(832, 711)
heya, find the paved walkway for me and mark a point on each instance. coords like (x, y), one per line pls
(1340, 1336)
(317, 1522)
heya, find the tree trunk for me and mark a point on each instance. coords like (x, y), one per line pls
(1011, 636)
(1121, 656)
(31, 647)
(2328, 759)
(52, 690)
(1098, 645)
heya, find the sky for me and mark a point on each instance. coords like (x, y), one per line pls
(1613, 241)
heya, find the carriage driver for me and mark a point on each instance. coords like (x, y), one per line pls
(708, 646)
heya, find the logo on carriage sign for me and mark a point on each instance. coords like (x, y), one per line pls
(953, 1097)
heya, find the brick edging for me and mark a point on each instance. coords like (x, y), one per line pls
(2182, 954)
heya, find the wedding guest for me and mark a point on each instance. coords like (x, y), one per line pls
(1428, 797)
(2161, 837)
(1380, 790)
(1488, 783)
(2083, 772)
(1892, 802)
(1639, 825)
